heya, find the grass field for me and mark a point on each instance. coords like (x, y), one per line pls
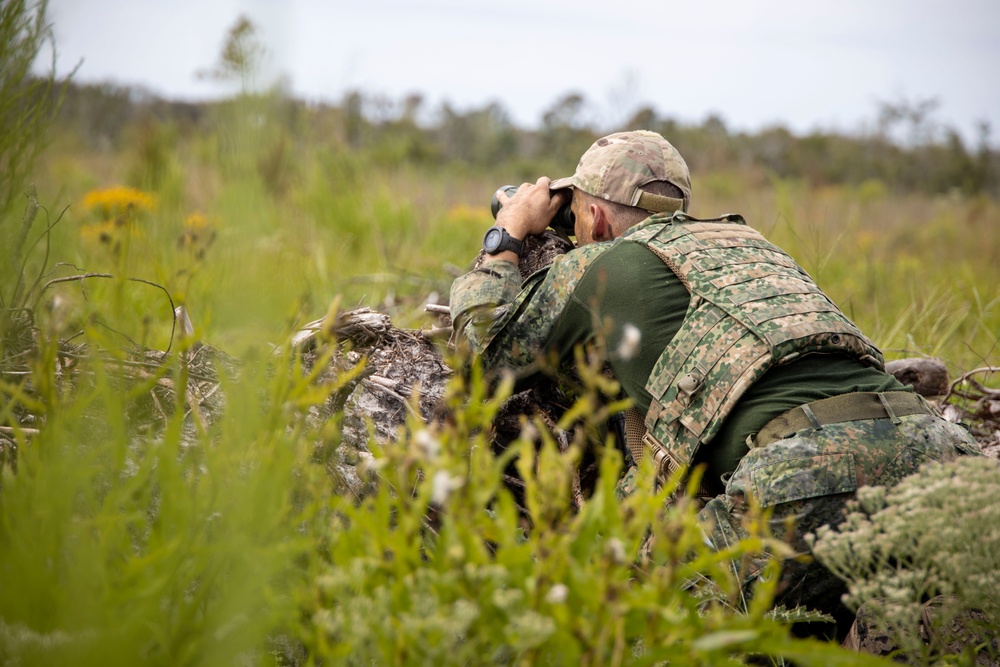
(125, 548)
(279, 238)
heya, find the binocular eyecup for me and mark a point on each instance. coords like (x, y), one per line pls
(564, 220)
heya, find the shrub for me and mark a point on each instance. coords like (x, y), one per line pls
(937, 533)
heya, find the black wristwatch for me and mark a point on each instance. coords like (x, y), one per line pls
(497, 240)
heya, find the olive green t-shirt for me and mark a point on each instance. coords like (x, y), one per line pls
(629, 285)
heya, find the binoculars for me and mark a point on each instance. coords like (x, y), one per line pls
(563, 222)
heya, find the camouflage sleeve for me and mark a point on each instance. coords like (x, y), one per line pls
(479, 299)
(509, 331)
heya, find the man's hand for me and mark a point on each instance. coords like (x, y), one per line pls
(530, 210)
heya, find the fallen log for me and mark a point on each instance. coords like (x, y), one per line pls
(927, 376)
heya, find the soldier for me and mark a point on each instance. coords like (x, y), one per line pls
(734, 359)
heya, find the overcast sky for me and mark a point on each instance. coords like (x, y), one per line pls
(821, 64)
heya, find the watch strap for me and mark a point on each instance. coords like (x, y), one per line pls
(507, 242)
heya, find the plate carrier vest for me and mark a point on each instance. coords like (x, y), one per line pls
(752, 307)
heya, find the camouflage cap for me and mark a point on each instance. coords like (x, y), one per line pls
(618, 165)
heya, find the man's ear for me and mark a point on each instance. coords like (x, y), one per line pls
(601, 230)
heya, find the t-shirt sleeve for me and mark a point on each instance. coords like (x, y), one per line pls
(631, 304)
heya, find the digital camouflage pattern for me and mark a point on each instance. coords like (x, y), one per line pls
(752, 307)
(480, 298)
(628, 484)
(616, 167)
(806, 480)
(483, 302)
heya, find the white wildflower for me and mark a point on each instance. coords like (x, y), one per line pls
(507, 599)
(936, 533)
(628, 348)
(369, 465)
(530, 432)
(616, 550)
(427, 443)
(557, 594)
(442, 484)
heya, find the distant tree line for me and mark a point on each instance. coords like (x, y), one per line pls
(905, 149)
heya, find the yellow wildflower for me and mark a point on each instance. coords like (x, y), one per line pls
(115, 208)
(117, 201)
(195, 221)
(197, 234)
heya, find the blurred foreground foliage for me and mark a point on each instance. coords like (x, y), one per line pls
(126, 546)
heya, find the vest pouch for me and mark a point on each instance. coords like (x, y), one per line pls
(780, 480)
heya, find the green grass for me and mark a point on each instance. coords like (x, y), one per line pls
(919, 273)
(163, 548)
(117, 548)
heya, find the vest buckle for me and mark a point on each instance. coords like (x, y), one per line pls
(689, 386)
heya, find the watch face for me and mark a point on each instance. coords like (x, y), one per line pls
(492, 240)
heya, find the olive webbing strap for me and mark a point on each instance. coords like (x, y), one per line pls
(844, 408)
(658, 203)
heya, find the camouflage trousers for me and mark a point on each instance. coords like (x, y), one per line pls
(807, 479)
